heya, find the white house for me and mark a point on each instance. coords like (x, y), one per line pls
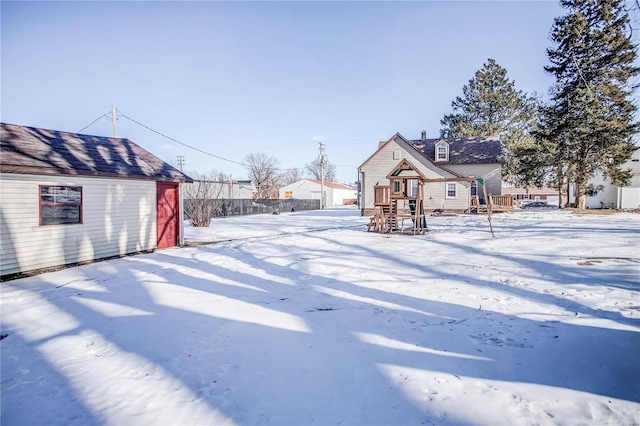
(335, 194)
(449, 167)
(613, 196)
(67, 198)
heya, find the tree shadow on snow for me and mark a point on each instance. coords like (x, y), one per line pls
(280, 340)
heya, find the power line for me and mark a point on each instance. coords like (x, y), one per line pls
(190, 146)
(90, 124)
(181, 143)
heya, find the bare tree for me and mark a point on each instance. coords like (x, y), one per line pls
(292, 175)
(263, 171)
(314, 170)
(204, 197)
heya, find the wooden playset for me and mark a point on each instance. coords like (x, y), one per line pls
(398, 207)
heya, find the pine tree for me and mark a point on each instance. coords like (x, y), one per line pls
(491, 106)
(591, 117)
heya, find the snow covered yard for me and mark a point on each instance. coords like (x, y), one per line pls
(306, 318)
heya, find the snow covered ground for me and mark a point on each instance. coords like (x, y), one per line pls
(306, 318)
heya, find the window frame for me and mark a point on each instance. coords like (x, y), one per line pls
(447, 189)
(56, 203)
(413, 188)
(444, 150)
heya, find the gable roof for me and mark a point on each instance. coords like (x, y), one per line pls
(333, 185)
(31, 150)
(478, 150)
(405, 166)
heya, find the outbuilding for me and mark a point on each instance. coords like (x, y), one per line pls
(67, 198)
(335, 194)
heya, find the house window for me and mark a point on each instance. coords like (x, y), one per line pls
(396, 155)
(60, 205)
(413, 187)
(525, 196)
(396, 187)
(442, 153)
(452, 190)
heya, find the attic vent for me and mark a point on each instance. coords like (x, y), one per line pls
(396, 155)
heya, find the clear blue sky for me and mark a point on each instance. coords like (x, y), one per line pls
(233, 78)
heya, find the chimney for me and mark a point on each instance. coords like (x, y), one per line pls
(424, 136)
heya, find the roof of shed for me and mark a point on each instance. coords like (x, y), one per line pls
(334, 185)
(31, 150)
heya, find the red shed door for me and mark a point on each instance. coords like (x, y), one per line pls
(167, 214)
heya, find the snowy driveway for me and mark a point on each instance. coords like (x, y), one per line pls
(306, 318)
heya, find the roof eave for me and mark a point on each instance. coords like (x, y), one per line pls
(52, 171)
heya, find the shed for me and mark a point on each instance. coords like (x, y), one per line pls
(335, 194)
(67, 198)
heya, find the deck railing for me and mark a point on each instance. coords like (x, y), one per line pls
(501, 202)
(497, 203)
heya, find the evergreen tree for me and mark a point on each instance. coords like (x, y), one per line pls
(590, 121)
(491, 106)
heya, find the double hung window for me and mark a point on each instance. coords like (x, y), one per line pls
(452, 190)
(60, 205)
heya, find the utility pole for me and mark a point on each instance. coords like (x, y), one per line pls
(180, 162)
(321, 158)
(113, 120)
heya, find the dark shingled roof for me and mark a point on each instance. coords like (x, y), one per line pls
(30, 150)
(464, 150)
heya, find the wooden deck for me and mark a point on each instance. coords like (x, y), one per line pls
(497, 203)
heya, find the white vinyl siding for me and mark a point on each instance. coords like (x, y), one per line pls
(119, 217)
(379, 165)
(489, 172)
(306, 189)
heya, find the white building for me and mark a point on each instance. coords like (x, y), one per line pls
(335, 194)
(613, 196)
(67, 198)
(215, 190)
(449, 166)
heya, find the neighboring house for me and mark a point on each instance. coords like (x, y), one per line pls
(335, 194)
(447, 164)
(69, 198)
(613, 196)
(550, 195)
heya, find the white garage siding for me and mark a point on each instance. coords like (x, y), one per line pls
(118, 218)
(309, 189)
